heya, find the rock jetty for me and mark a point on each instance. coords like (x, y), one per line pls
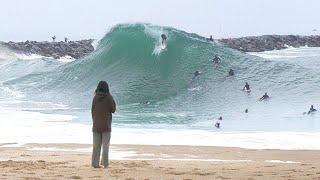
(74, 49)
(78, 49)
(270, 42)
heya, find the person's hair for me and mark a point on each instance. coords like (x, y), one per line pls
(103, 87)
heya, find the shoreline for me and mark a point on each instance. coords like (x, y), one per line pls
(151, 162)
(161, 137)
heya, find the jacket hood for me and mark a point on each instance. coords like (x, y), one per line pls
(101, 94)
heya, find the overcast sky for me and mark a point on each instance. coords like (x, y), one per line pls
(77, 19)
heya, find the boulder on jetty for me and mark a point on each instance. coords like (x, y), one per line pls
(74, 49)
(270, 42)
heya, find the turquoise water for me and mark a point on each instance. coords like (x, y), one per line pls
(130, 58)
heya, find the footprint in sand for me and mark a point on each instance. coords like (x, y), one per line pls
(75, 177)
(25, 155)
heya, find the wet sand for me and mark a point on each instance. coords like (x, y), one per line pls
(72, 161)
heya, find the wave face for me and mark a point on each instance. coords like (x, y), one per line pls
(154, 85)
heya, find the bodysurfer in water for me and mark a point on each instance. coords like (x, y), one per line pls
(218, 122)
(193, 79)
(312, 109)
(231, 72)
(196, 74)
(264, 97)
(164, 38)
(216, 59)
(247, 87)
(210, 39)
(146, 102)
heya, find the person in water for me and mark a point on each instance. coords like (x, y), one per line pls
(231, 72)
(196, 74)
(53, 38)
(264, 97)
(147, 102)
(103, 105)
(246, 87)
(210, 39)
(218, 122)
(164, 38)
(312, 109)
(246, 111)
(216, 59)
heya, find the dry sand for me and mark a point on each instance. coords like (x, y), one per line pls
(158, 162)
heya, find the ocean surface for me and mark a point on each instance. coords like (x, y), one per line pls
(44, 100)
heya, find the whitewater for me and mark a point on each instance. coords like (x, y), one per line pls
(44, 100)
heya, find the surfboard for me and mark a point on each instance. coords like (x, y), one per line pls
(163, 46)
(246, 90)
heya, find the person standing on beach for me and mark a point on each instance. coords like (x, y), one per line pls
(103, 105)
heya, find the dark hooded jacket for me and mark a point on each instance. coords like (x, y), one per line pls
(103, 106)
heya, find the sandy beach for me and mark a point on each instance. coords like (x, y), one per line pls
(72, 161)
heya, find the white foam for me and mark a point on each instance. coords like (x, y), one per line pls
(185, 159)
(10, 145)
(289, 53)
(66, 59)
(254, 140)
(28, 56)
(95, 43)
(159, 47)
(21, 127)
(8, 54)
(59, 149)
(197, 88)
(10, 93)
(126, 154)
(26, 127)
(282, 162)
(34, 127)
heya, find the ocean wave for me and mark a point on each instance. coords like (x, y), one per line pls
(153, 90)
